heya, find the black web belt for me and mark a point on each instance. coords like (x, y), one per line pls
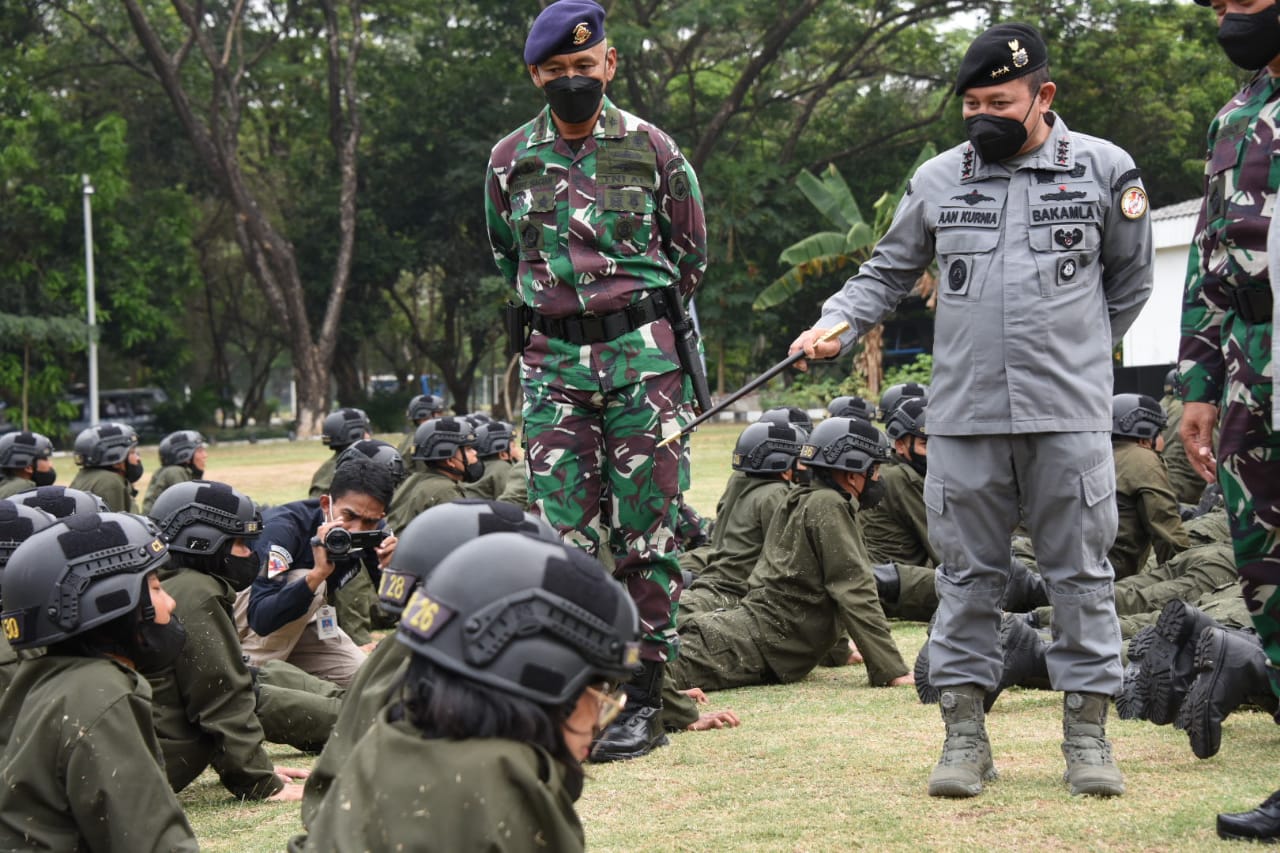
(1252, 303)
(580, 329)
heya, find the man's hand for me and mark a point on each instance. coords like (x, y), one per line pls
(813, 348)
(323, 565)
(292, 777)
(1196, 431)
(708, 720)
(696, 694)
(386, 550)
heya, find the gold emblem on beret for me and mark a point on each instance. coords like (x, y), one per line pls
(1019, 53)
(581, 34)
(1000, 72)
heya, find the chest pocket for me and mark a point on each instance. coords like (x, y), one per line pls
(532, 189)
(965, 256)
(1065, 233)
(626, 178)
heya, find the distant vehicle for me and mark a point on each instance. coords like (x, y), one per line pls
(133, 406)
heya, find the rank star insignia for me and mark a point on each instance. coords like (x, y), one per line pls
(1018, 54)
(1000, 72)
(581, 33)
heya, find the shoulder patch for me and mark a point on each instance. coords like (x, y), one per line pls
(1133, 204)
(678, 180)
(279, 561)
(1126, 179)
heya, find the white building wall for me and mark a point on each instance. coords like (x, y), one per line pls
(1153, 337)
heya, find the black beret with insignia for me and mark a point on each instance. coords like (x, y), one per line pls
(567, 26)
(1003, 53)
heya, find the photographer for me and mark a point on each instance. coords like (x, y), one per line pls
(287, 614)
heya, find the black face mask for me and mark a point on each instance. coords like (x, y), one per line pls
(239, 571)
(1250, 41)
(158, 646)
(802, 476)
(574, 99)
(133, 471)
(918, 462)
(44, 478)
(997, 138)
(473, 472)
(872, 494)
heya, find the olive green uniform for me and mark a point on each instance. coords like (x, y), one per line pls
(419, 493)
(11, 486)
(81, 764)
(411, 465)
(111, 486)
(369, 694)
(517, 489)
(1187, 485)
(401, 791)
(736, 543)
(1148, 510)
(813, 581)
(323, 477)
(296, 707)
(896, 530)
(492, 482)
(169, 475)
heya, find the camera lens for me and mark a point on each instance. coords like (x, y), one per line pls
(337, 542)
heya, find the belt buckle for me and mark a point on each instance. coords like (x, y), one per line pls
(592, 329)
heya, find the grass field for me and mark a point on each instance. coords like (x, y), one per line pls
(828, 763)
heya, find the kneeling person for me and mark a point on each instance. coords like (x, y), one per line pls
(812, 583)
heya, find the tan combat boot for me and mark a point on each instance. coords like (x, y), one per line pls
(966, 754)
(1090, 768)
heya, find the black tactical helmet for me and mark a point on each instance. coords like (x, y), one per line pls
(60, 501)
(17, 523)
(478, 419)
(198, 517)
(177, 448)
(433, 534)
(20, 449)
(1136, 416)
(424, 406)
(493, 437)
(344, 427)
(907, 419)
(77, 574)
(852, 407)
(846, 444)
(104, 445)
(438, 439)
(381, 453)
(785, 415)
(767, 448)
(1170, 382)
(895, 394)
(530, 618)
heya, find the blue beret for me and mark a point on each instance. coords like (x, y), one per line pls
(1003, 53)
(567, 26)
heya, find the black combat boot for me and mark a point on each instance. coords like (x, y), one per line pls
(1167, 667)
(1025, 590)
(638, 729)
(1023, 652)
(1232, 670)
(1260, 824)
(1131, 704)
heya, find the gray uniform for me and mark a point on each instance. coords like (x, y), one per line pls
(1038, 258)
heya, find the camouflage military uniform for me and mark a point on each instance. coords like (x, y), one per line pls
(169, 475)
(1187, 485)
(1225, 353)
(736, 544)
(11, 486)
(583, 235)
(1148, 510)
(812, 583)
(111, 486)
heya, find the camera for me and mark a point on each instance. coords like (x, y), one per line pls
(344, 543)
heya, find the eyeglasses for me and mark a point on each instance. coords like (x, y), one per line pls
(611, 699)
